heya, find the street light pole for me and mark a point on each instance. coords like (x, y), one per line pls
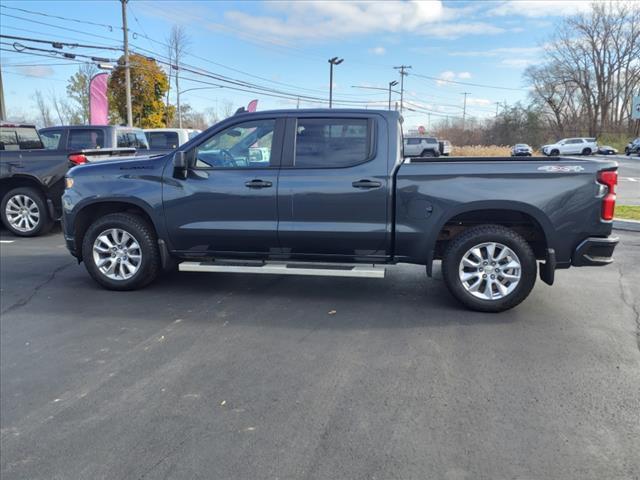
(332, 61)
(127, 72)
(391, 84)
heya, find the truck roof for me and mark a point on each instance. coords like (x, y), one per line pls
(9, 124)
(88, 127)
(322, 111)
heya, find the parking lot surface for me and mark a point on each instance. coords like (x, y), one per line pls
(628, 179)
(223, 376)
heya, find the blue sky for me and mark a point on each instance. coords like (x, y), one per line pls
(285, 46)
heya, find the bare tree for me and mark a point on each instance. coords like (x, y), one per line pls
(43, 109)
(591, 70)
(227, 109)
(178, 45)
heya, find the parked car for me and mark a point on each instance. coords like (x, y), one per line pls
(32, 178)
(633, 147)
(521, 150)
(571, 146)
(169, 138)
(336, 190)
(421, 147)
(445, 147)
(606, 150)
(78, 137)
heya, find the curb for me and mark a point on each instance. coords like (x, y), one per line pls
(628, 225)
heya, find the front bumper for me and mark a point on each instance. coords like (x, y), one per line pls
(594, 252)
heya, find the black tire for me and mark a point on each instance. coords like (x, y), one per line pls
(44, 222)
(427, 153)
(143, 233)
(586, 151)
(461, 244)
(626, 151)
(554, 153)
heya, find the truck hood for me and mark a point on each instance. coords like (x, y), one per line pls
(116, 166)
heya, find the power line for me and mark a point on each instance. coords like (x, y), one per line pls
(18, 47)
(83, 22)
(442, 80)
(92, 34)
(49, 42)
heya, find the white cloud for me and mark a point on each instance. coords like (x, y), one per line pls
(36, 71)
(496, 52)
(540, 8)
(447, 76)
(480, 102)
(317, 19)
(377, 51)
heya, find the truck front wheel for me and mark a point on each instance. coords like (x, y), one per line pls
(489, 268)
(120, 252)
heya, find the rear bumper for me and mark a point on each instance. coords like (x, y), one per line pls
(594, 252)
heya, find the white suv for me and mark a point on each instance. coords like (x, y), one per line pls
(571, 146)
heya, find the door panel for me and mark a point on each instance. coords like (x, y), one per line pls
(338, 211)
(227, 203)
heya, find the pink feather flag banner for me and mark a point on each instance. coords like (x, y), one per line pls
(98, 102)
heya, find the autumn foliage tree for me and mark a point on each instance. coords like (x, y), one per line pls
(148, 86)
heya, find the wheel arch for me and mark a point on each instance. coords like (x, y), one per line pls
(89, 212)
(529, 221)
(17, 181)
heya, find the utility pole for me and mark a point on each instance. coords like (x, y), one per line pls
(403, 73)
(127, 72)
(298, 103)
(3, 113)
(332, 61)
(391, 84)
(428, 121)
(497, 105)
(178, 96)
(464, 108)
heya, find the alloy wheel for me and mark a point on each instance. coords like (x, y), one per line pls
(117, 254)
(490, 271)
(22, 213)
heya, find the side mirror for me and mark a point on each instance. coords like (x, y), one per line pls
(180, 165)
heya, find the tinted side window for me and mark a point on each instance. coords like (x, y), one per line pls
(331, 142)
(140, 140)
(413, 141)
(85, 138)
(8, 139)
(51, 139)
(163, 139)
(246, 145)
(431, 140)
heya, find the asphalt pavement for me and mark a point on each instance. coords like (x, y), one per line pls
(628, 179)
(223, 376)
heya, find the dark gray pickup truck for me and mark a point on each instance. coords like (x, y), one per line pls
(32, 177)
(328, 192)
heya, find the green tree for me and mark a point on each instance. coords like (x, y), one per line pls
(78, 92)
(148, 86)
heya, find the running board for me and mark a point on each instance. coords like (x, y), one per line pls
(288, 268)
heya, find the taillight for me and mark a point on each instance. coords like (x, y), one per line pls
(77, 158)
(610, 179)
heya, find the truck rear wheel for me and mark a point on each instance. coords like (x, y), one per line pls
(24, 212)
(120, 251)
(489, 268)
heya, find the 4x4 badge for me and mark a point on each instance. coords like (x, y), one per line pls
(561, 168)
